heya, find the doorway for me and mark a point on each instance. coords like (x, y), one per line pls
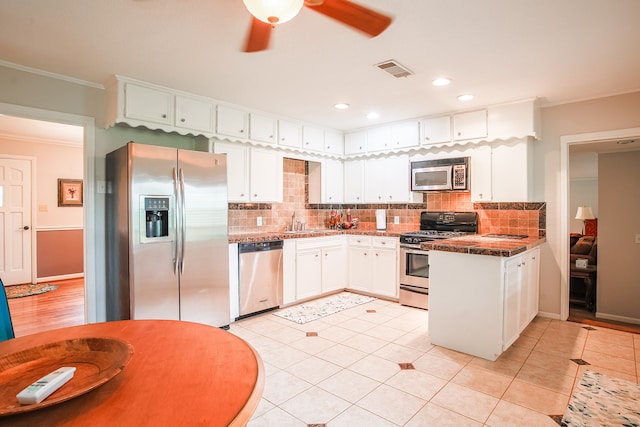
(87, 127)
(598, 142)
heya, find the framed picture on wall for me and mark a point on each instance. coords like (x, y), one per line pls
(69, 192)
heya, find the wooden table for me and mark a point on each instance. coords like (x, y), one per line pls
(180, 374)
(588, 275)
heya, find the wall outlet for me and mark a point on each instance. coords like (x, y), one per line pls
(101, 186)
(259, 221)
(396, 219)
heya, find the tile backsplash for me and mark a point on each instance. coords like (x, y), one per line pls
(503, 218)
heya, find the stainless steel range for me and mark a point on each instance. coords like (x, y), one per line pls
(414, 262)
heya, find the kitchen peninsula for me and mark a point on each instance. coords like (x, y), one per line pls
(483, 291)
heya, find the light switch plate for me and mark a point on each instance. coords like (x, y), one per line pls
(259, 221)
(396, 219)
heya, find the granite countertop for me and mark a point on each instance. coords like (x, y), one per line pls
(281, 235)
(484, 244)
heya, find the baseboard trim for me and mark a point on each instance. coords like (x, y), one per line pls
(548, 315)
(60, 277)
(622, 319)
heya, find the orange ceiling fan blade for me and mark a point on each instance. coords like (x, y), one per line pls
(258, 37)
(352, 14)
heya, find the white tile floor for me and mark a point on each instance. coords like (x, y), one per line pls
(349, 374)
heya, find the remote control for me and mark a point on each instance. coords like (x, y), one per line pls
(41, 389)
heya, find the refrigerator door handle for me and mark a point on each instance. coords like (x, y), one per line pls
(177, 216)
(183, 224)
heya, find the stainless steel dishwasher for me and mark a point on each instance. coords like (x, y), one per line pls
(260, 276)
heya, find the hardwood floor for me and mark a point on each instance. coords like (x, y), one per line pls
(52, 310)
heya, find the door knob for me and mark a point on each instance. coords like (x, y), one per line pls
(26, 227)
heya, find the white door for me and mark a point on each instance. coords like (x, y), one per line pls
(15, 220)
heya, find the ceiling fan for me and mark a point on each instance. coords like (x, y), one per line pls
(268, 13)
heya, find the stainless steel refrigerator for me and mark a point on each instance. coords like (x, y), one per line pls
(167, 250)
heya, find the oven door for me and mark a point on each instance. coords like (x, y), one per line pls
(414, 267)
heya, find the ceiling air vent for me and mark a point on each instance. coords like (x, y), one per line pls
(394, 68)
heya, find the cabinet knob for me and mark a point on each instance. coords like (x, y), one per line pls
(377, 254)
(330, 197)
(255, 195)
(365, 254)
(316, 255)
(326, 254)
(241, 130)
(182, 120)
(328, 147)
(241, 194)
(270, 136)
(426, 138)
(26, 227)
(282, 139)
(164, 116)
(306, 143)
(384, 243)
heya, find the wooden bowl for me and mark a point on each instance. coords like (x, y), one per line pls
(96, 360)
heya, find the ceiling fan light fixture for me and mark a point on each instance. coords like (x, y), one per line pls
(274, 11)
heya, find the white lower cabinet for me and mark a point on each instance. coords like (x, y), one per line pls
(373, 265)
(321, 266)
(499, 294)
(289, 271)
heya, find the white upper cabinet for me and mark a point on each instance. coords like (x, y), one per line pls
(516, 120)
(195, 114)
(148, 104)
(263, 128)
(436, 130)
(512, 171)
(354, 181)
(266, 175)
(405, 135)
(355, 142)
(379, 139)
(333, 143)
(333, 173)
(233, 122)
(312, 138)
(471, 125)
(386, 180)
(289, 134)
(481, 174)
(237, 170)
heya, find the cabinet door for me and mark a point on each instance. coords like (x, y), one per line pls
(152, 105)
(289, 134)
(289, 271)
(334, 269)
(511, 171)
(379, 139)
(355, 142)
(481, 174)
(263, 128)
(237, 170)
(308, 274)
(470, 125)
(232, 122)
(353, 181)
(312, 138)
(194, 114)
(333, 143)
(387, 180)
(405, 135)
(511, 313)
(385, 274)
(436, 130)
(333, 181)
(375, 189)
(265, 176)
(533, 283)
(360, 268)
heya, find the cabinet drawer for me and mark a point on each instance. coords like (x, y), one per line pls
(360, 241)
(384, 242)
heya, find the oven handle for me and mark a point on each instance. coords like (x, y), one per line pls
(413, 250)
(415, 289)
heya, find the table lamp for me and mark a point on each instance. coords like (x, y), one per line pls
(584, 212)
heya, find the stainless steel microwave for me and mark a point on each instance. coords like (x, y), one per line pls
(440, 174)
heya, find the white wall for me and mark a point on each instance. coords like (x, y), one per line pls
(53, 161)
(598, 115)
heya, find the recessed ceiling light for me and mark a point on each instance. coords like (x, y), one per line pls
(441, 81)
(465, 97)
(341, 106)
(373, 116)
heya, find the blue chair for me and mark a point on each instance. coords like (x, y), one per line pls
(6, 328)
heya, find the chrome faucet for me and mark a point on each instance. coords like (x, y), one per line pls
(293, 221)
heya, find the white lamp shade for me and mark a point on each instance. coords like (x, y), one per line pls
(584, 212)
(274, 11)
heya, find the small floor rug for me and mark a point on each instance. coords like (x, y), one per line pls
(312, 310)
(19, 291)
(600, 400)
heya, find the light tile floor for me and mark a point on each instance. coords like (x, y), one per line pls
(349, 374)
